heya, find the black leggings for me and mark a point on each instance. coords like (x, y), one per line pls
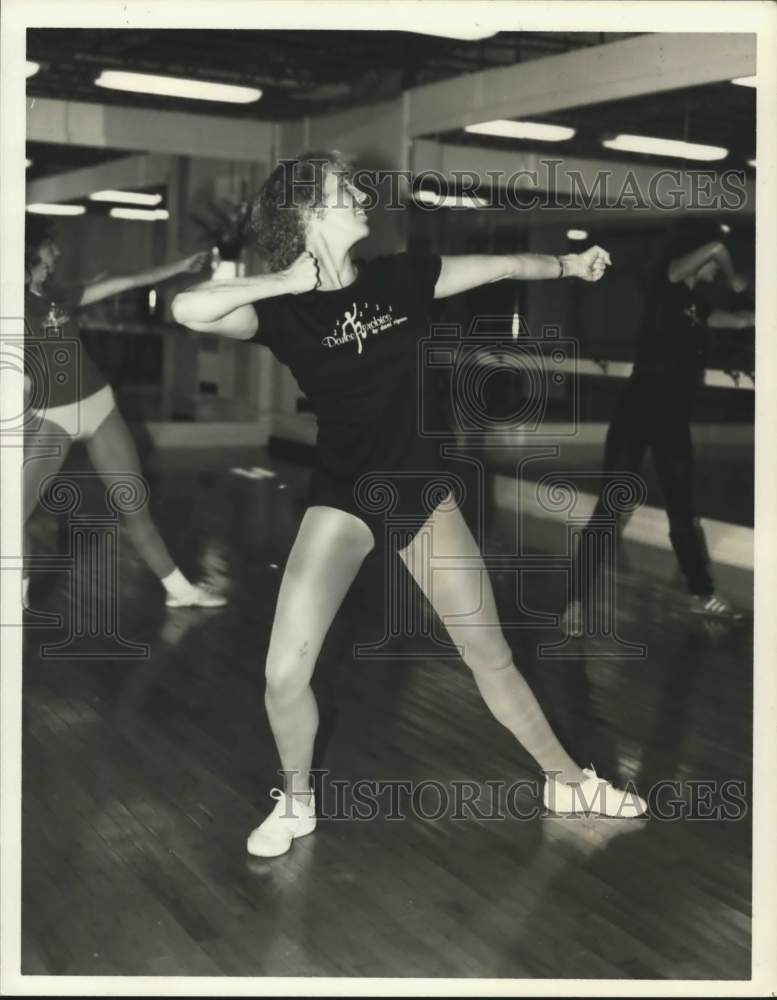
(655, 413)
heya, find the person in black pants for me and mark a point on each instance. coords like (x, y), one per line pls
(655, 408)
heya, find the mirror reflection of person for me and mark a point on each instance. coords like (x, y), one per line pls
(363, 382)
(77, 404)
(655, 408)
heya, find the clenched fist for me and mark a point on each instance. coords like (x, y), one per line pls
(591, 265)
(303, 275)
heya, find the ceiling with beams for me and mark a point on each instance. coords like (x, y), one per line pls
(300, 72)
(313, 72)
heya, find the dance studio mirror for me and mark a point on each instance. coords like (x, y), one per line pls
(121, 212)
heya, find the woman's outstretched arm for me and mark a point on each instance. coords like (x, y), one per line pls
(460, 273)
(104, 288)
(225, 307)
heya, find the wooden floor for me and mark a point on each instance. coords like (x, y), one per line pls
(142, 778)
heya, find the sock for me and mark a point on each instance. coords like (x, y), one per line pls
(176, 584)
(512, 703)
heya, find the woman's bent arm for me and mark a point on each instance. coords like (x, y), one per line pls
(226, 306)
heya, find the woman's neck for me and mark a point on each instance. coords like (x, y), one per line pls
(336, 270)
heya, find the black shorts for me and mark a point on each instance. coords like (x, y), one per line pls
(393, 504)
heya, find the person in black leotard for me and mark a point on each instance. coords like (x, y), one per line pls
(656, 405)
(77, 404)
(350, 336)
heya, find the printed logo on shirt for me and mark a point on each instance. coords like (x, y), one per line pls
(354, 328)
(691, 313)
(56, 319)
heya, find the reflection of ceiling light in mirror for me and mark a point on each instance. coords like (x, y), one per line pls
(44, 208)
(577, 234)
(28, 163)
(522, 130)
(725, 228)
(31, 68)
(449, 200)
(751, 163)
(665, 147)
(173, 86)
(745, 81)
(130, 197)
(140, 214)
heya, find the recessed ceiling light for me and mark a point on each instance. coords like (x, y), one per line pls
(32, 68)
(522, 130)
(745, 81)
(173, 86)
(141, 214)
(665, 147)
(577, 234)
(44, 208)
(449, 200)
(472, 34)
(128, 197)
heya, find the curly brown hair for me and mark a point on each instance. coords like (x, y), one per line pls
(292, 192)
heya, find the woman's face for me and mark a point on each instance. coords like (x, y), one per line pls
(46, 263)
(341, 220)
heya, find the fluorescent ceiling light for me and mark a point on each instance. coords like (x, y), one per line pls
(522, 130)
(449, 200)
(129, 197)
(143, 214)
(32, 68)
(665, 147)
(745, 81)
(472, 34)
(42, 208)
(173, 86)
(577, 234)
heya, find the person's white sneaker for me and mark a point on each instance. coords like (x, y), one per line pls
(716, 606)
(594, 795)
(198, 596)
(291, 818)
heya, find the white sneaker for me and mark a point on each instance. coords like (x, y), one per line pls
(291, 818)
(198, 596)
(715, 606)
(594, 795)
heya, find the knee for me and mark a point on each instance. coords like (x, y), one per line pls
(284, 683)
(487, 655)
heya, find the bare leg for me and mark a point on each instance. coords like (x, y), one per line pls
(112, 452)
(44, 454)
(464, 601)
(45, 451)
(327, 553)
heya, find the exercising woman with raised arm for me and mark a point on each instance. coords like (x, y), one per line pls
(77, 404)
(349, 334)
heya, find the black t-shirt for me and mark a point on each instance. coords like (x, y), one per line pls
(674, 338)
(355, 354)
(54, 357)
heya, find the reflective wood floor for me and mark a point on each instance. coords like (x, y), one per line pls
(143, 776)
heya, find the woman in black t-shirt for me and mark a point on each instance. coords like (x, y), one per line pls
(351, 337)
(655, 408)
(68, 399)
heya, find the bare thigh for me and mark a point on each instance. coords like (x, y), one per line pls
(445, 561)
(44, 454)
(326, 556)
